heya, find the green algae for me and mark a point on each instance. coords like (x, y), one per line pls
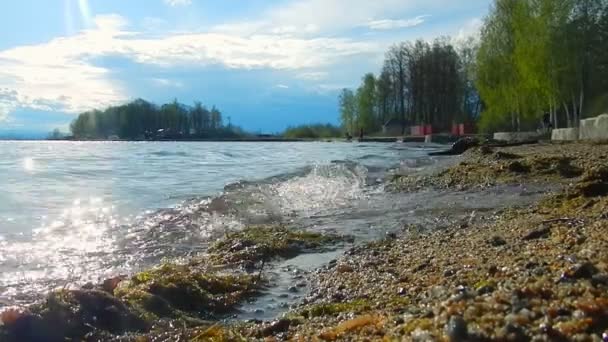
(172, 290)
(73, 314)
(264, 243)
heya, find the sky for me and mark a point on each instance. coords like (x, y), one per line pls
(266, 64)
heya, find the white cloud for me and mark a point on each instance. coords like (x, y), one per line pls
(470, 29)
(389, 24)
(174, 3)
(308, 17)
(61, 75)
(281, 86)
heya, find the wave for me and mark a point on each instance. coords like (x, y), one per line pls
(90, 241)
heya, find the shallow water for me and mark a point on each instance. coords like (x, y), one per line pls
(71, 213)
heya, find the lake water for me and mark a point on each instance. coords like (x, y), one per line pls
(77, 212)
(72, 212)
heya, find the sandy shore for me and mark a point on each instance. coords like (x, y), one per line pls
(538, 273)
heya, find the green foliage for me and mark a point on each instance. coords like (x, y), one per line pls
(140, 120)
(539, 56)
(317, 131)
(348, 110)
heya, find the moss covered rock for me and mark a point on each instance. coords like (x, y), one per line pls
(178, 291)
(74, 315)
(263, 243)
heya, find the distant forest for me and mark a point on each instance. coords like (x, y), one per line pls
(533, 58)
(139, 120)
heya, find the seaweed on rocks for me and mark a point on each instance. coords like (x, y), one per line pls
(263, 243)
(166, 303)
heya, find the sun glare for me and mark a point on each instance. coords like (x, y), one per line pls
(28, 164)
(85, 12)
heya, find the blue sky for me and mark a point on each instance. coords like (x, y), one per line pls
(266, 64)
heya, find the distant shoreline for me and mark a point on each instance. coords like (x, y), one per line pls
(366, 139)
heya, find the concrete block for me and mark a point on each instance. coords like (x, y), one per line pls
(515, 136)
(565, 134)
(594, 128)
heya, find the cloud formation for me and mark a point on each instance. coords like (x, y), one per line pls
(389, 24)
(174, 3)
(61, 75)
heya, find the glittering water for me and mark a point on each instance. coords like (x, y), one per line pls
(72, 212)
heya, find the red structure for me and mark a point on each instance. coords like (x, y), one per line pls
(462, 129)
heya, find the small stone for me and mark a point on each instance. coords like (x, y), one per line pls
(518, 167)
(88, 286)
(457, 329)
(292, 289)
(449, 273)
(344, 268)
(599, 279)
(580, 271)
(497, 241)
(276, 327)
(401, 291)
(492, 270)
(584, 271)
(537, 234)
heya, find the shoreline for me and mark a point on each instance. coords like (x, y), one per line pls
(514, 274)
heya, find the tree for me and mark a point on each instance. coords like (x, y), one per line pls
(348, 111)
(366, 102)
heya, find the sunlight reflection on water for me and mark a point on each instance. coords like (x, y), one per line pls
(78, 212)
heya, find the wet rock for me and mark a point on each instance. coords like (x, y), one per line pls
(459, 147)
(457, 329)
(73, 314)
(276, 327)
(497, 241)
(292, 289)
(537, 234)
(110, 284)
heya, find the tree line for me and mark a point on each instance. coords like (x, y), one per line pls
(533, 60)
(543, 57)
(140, 119)
(420, 83)
(313, 131)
